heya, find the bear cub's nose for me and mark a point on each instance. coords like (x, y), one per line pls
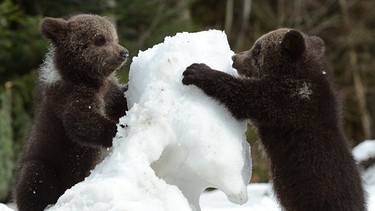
(234, 57)
(124, 53)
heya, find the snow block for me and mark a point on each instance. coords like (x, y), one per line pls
(175, 141)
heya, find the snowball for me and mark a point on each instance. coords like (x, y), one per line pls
(175, 141)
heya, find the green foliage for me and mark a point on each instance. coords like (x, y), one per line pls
(64, 8)
(144, 23)
(6, 142)
(16, 98)
(21, 45)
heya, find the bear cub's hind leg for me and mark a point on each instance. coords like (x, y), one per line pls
(40, 186)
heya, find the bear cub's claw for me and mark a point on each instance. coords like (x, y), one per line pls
(194, 72)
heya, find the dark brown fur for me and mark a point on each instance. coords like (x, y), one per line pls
(286, 92)
(79, 105)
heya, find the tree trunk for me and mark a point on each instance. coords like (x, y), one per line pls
(228, 17)
(244, 24)
(359, 86)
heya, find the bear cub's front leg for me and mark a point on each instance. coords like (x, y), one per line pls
(221, 86)
(207, 79)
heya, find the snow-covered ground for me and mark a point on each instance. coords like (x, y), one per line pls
(260, 199)
(176, 141)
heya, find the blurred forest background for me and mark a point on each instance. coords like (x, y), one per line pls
(347, 26)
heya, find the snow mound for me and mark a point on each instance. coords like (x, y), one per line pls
(175, 141)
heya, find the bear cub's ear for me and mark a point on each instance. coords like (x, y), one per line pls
(54, 28)
(294, 43)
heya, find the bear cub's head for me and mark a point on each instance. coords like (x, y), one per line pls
(85, 47)
(280, 52)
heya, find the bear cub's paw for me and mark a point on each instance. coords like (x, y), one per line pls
(207, 79)
(195, 73)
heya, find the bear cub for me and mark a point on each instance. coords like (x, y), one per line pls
(79, 104)
(284, 89)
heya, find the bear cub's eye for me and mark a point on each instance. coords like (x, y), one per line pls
(257, 50)
(100, 40)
